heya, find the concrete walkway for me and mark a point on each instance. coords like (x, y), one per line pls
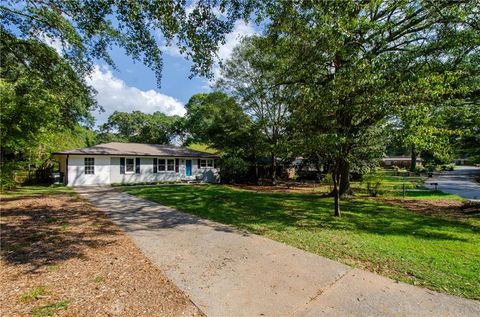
(460, 181)
(227, 272)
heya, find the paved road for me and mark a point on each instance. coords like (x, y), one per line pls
(459, 182)
(228, 272)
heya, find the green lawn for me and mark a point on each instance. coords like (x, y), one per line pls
(393, 186)
(37, 190)
(437, 253)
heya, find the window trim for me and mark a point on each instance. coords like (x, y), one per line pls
(167, 165)
(165, 160)
(90, 166)
(209, 163)
(134, 165)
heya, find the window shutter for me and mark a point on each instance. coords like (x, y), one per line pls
(155, 165)
(137, 165)
(198, 161)
(177, 167)
(215, 163)
(122, 165)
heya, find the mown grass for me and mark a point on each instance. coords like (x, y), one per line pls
(37, 190)
(411, 187)
(441, 254)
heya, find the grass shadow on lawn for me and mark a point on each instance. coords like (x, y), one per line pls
(276, 211)
(44, 232)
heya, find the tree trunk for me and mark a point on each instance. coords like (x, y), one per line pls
(413, 162)
(274, 168)
(336, 194)
(345, 179)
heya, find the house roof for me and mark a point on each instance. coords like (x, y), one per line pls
(137, 149)
(399, 158)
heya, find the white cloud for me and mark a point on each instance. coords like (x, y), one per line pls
(53, 42)
(113, 94)
(240, 31)
(232, 39)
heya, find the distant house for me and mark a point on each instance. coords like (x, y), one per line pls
(399, 161)
(116, 162)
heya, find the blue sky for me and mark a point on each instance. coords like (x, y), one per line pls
(134, 87)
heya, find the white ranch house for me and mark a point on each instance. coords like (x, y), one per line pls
(115, 162)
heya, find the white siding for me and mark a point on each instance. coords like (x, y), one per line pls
(76, 171)
(146, 172)
(107, 171)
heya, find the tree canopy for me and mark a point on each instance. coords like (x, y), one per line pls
(350, 65)
(249, 76)
(136, 126)
(86, 30)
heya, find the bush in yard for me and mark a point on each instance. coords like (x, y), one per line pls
(233, 169)
(374, 184)
(9, 175)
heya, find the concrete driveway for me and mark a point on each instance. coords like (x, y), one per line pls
(460, 182)
(228, 272)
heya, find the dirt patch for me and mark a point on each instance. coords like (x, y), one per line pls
(446, 208)
(60, 256)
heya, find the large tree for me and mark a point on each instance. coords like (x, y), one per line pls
(353, 63)
(41, 96)
(249, 76)
(136, 126)
(217, 120)
(86, 30)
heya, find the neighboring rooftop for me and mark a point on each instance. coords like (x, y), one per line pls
(399, 158)
(137, 149)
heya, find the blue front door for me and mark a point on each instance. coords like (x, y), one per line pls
(188, 169)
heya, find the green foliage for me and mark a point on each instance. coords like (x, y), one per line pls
(439, 253)
(347, 66)
(136, 126)
(86, 31)
(33, 293)
(249, 75)
(39, 93)
(50, 309)
(216, 119)
(465, 118)
(374, 184)
(232, 169)
(43, 100)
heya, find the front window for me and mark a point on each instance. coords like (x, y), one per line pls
(90, 165)
(161, 165)
(206, 163)
(170, 165)
(129, 165)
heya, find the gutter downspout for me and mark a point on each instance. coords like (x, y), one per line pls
(65, 177)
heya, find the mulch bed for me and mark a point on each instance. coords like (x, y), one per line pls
(62, 257)
(445, 208)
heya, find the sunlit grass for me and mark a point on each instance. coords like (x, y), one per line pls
(441, 254)
(37, 190)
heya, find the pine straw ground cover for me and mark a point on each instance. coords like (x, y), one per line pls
(62, 257)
